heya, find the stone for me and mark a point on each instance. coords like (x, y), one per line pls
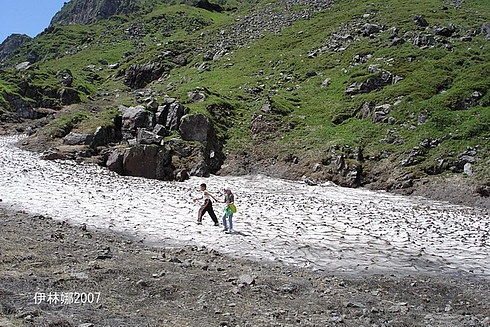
(420, 21)
(136, 117)
(195, 128)
(52, 154)
(100, 137)
(78, 139)
(115, 161)
(246, 279)
(68, 96)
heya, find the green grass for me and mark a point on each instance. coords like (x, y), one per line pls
(64, 124)
(279, 70)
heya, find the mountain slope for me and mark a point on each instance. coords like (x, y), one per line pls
(380, 95)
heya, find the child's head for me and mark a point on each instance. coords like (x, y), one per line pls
(203, 186)
(227, 190)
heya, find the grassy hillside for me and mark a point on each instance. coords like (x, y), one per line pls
(435, 107)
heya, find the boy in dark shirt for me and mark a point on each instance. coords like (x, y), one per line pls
(207, 206)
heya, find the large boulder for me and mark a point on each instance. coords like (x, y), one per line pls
(195, 128)
(78, 139)
(141, 161)
(114, 161)
(134, 118)
(196, 152)
(170, 115)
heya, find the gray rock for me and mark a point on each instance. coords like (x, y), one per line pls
(147, 137)
(52, 154)
(201, 169)
(115, 161)
(485, 30)
(424, 41)
(147, 161)
(100, 137)
(246, 279)
(138, 76)
(195, 128)
(78, 139)
(197, 96)
(65, 77)
(136, 117)
(170, 115)
(446, 31)
(68, 96)
(160, 130)
(420, 21)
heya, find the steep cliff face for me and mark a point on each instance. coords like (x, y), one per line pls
(91, 11)
(12, 43)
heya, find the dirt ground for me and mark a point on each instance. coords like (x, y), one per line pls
(54, 274)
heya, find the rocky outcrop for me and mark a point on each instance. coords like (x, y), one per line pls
(22, 108)
(373, 83)
(196, 151)
(205, 4)
(11, 44)
(90, 11)
(34, 100)
(138, 76)
(138, 143)
(85, 12)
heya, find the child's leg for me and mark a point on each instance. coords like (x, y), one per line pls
(230, 221)
(225, 225)
(200, 213)
(212, 214)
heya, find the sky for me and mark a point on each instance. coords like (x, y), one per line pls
(29, 17)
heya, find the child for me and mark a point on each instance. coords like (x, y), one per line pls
(207, 206)
(228, 215)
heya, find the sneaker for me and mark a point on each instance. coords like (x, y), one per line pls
(216, 224)
(199, 223)
(225, 230)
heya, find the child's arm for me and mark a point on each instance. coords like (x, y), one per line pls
(207, 193)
